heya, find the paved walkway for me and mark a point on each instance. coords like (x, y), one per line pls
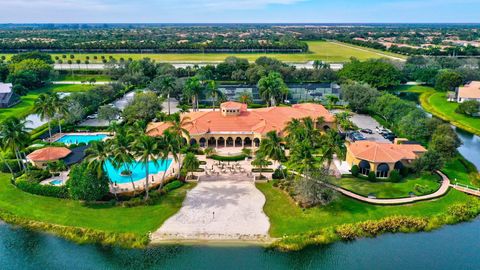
(439, 193)
(475, 192)
(79, 82)
(221, 208)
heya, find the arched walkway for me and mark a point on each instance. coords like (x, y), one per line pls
(229, 142)
(238, 142)
(221, 142)
(212, 142)
(193, 141)
(247, 142)
(202, 142)
(256, 142)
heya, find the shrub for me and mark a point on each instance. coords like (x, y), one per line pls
(173, 185)
(228, 158)
(371, 176)
(404, 171)
(13, 165)
(43, 190)
(355, 170)
(36, 175)
(395, 176)
(348, 231)
(278, 174)
(85, 184)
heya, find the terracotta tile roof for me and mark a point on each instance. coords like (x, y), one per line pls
(384, 152)
(234, 105)
(248, 121)
(471, 90)
(49, 154)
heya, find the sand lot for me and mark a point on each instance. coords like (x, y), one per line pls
(219, 209)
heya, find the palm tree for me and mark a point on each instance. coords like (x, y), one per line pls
(332, 145)
(172, 145)
(60, 108)
(97, 154)
(245, 97)
(271, 147)
(191, 163)
(331, 101)
(14, 136)
(260, 162)
(179, 126)
(121, 154)
(193, 89)
(272, 88)
(146, 150)
(165, 85)
(43, 106)
(213, 92)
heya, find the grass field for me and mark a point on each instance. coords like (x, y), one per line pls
(387, 190)
(25, 107)
(319, 50)
(286, 218)
(457, 172)
(138, 220)
(85, 77)
(436, 103)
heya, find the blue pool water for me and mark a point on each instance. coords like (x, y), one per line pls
(80, 138)
(56, 182)
(138, 171)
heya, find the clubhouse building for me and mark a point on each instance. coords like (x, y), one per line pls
(382, 158)
(234, 125)
(470, 91)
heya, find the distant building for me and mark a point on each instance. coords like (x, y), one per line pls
(297, 92)
(40, 158)
(7, 97)
(470, 91)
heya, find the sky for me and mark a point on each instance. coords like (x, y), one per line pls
(239, 11)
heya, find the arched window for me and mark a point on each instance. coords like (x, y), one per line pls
(398, 166)
(229, 142)
(193, 141)
(238, 142)
(382, 170)
(256, 142)
(364, 167)
(221, 142)
(326, 128)
(212, 142)
(247, 142)
(202, 142)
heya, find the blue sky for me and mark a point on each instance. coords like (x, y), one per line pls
(239, 11)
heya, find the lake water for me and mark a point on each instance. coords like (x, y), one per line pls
(452, 247)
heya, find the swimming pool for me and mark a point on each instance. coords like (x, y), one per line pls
(56, 182)
(138, 171)
(80, 138)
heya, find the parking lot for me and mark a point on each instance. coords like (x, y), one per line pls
(365, 121)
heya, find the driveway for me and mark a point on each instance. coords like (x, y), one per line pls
(224, 208)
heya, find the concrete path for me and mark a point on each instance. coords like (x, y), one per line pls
(475, 192)
(224, 208)
(440, 192)
(79, 82)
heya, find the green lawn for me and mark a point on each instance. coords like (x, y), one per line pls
(286, 218)
(386, 190)
(25, 107)
(138, 220)
(85, 77)
(436, 103)
(457, 172)
(319, 50)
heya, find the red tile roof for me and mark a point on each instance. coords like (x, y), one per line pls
(49, 154)
(234, 105)
(471, 90)
(384, 152)
(248, 121)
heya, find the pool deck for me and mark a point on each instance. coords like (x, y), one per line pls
(155, 180)
(63, 176)
(57, 136)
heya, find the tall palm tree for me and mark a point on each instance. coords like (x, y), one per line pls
(213, 92)
(193, 89)
(146, 150)
(60, 108)
(172, 145)
(191, 162)
(121, 154)
(14, 136)
(271, 88)
(165, 85)
(43, 106)
(332, 145)
(271, 147)
(97, 155)
(179, 126)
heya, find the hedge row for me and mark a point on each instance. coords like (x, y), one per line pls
(173, 185)
(43, 190)
(228, 158)
(13, 165)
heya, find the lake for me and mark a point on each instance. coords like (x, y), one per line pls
(452, 247)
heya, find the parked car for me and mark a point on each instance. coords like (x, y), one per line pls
(389, 136)
(366, 130)
(356, 136)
